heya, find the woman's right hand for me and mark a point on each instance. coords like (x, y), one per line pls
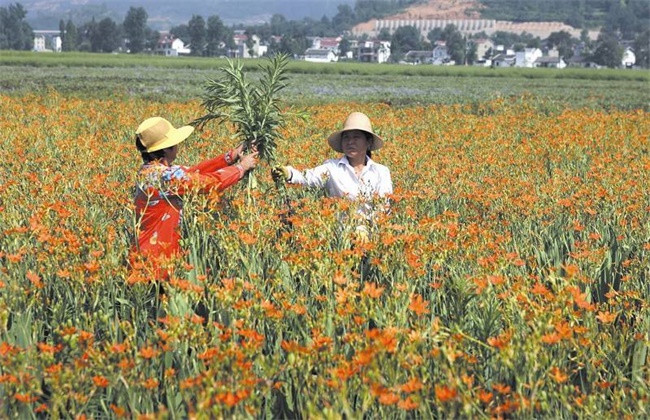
(249, 161)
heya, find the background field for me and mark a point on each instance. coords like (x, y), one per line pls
(164, 79)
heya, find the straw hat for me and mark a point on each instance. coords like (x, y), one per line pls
(355, 121)
(157, 133)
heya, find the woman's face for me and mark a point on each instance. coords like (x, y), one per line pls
(354, 143)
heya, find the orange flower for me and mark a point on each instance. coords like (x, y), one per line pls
(413, 385)
(35, 279)
(408, 404)
(25, 398)
(445, 393)
(364, 357)
(150, 383)
(119, 411)
(148, 352)
(100, 381)
(372, 291)
(501, 341)
(606, 317)
(388, 398)
(501, 388)
(419, 305)
(558, 376)
(339, 279)
(485, 396)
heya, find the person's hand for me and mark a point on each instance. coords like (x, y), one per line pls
(236, 153)
(280, 173)
(249, 161)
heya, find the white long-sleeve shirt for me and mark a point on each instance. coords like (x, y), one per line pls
(339, 180)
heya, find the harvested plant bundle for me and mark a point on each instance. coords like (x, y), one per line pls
(254, 109)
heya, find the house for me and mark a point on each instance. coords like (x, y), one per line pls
(419, 57)
(440, 54)
(549, 61)
(243, 50)
(47, 40)
(170, 46)
(484, 48)
(527, 57)
(326, 43)
(372, 51)
(320, 55)
(484, 62)
(503, 60)
(629, 59)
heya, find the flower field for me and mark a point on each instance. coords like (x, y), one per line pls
(510, 279)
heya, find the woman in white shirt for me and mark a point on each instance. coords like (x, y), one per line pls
(355, 175)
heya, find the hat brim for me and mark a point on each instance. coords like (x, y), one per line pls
(334, 140)
(172, 138)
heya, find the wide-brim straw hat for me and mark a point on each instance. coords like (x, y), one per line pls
(156, 133)
(355, 121)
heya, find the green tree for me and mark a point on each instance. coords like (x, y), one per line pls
(135, 25)
(62, 32)
(215, 36)
(15, 33)
(89, 41)
(181, 31)
(279, 25)
(197, 32)
(642, 49)
(344, 19)
(456, 44)
(472, 53)
(71, 37)
(108, 33)
(608, 52)
(152, 39)
(95, 37)
(384, 34)
(344, 48)
(435, 35)
(405, 38)
(563, 41)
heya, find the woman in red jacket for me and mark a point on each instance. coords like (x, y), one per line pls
(161, 186)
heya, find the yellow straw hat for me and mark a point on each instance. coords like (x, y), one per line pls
(355, 121)
(157, 133)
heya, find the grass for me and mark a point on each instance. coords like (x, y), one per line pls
(182, 79)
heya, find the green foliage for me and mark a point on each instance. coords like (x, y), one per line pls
(254, 109)
(135, 24)
(15, 33)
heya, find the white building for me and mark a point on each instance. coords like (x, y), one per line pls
(373, 51)
(320, 55)
(47, 40)
(170, 46)
(243, 51)
(440, 54)
(527, 57)
(629, 59)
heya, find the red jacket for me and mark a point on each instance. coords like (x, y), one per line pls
(159, 204)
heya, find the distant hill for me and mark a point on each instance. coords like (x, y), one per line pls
(163, 14)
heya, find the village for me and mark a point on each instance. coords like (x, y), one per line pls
(363, 48)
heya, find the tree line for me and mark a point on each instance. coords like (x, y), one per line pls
(210, 37)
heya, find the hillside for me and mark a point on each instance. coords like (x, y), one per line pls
(465, 14)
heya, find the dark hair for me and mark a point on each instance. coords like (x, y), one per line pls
(370, 139)
(148, 156)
